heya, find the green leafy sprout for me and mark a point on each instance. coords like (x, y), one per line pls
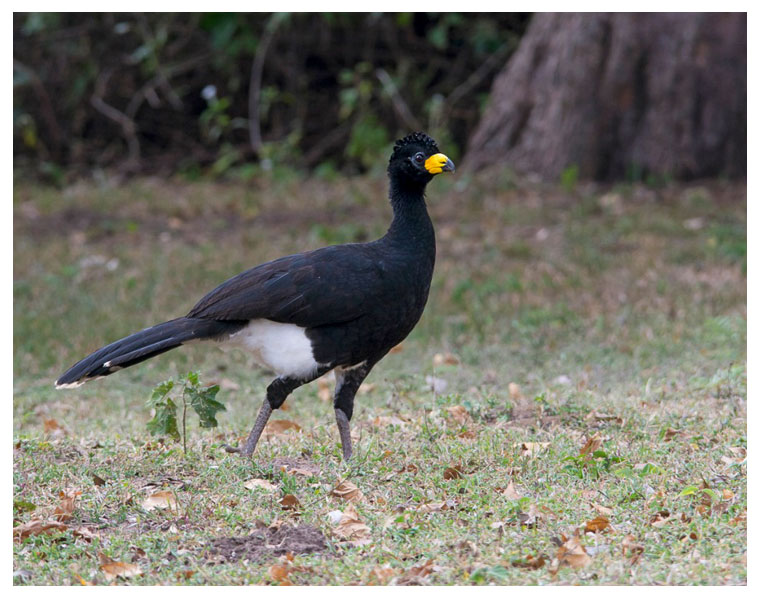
(168, 396)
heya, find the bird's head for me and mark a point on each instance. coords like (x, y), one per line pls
(416, 160)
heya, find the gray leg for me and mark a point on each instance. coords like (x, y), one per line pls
(348, 381)
(345, 433)
(277, 392)
(253, 437)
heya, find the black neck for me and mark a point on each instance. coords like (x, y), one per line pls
(411, 221)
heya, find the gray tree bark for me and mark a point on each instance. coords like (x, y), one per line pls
(621, 94)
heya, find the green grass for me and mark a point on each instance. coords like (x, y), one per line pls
(629, 303)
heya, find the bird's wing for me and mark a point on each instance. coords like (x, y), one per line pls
(327, 286)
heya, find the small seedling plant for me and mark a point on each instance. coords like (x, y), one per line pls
(167, 397)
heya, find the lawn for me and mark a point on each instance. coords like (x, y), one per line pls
(570, 409)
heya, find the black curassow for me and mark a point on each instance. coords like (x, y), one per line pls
(338, 308)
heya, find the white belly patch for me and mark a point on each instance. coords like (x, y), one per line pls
(281, 347)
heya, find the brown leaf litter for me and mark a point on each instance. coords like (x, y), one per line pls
(348, 491)
(571, 553)
(295, 466)
(113, 569)
(164, 499)
(352, 527)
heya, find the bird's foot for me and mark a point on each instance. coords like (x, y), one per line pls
(236, 450)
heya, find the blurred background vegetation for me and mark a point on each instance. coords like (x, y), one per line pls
(602, 96)
(226, 93)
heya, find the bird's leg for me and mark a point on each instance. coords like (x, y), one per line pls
(258, 428)
(253, 437)
(348, 381)
(345, 433)
(277, 392)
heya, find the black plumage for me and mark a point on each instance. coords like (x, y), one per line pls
(354, 302)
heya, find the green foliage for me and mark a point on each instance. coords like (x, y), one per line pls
(335, 87)
(583, 465)
(569, 178)
(495, 573)
(204, 402)
(729, 239)
(164, 421)
(190, 392)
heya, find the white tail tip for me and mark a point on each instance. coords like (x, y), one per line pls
(68, 386)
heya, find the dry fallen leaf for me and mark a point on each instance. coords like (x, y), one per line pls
(632, 548)
(533, 516)
(281, 427)
(573, 554)
(441, 359)
(366, 388)
(53, 428)
(348, 491)
(510, 492)
(514, 391)
(381, 575)
(594, 417)
(84, 533)
(596, 525)
(530, 449)
(417, 572)
(280, 574)
(739, 455)
(289, 502)
(113, 569)
(671, 433)
(262, 484)
(459, 414)
(453, 472)
(661, 518)
(530, 562)
(351, 528)
(410, 468)
(431, 507)
(81, 580)
(304, 472)
(36, 527)
(602, 510)
(396, 349)
(467, 434)
(66, 507)
(162, 499)
(592, 445)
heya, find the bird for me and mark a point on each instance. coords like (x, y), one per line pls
(339, 308)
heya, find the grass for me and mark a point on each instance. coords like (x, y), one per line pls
(619, 316)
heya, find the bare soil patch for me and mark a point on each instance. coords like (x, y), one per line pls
(268, 542)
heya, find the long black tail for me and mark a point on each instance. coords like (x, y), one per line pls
(143, 345)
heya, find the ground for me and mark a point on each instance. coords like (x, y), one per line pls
(570, 409)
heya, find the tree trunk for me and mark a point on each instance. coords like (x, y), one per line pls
(621, 95)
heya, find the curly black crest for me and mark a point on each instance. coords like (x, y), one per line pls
(418, 138)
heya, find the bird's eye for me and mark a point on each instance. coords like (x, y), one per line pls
(418, 158)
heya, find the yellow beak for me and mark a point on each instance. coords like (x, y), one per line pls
(438, 163)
